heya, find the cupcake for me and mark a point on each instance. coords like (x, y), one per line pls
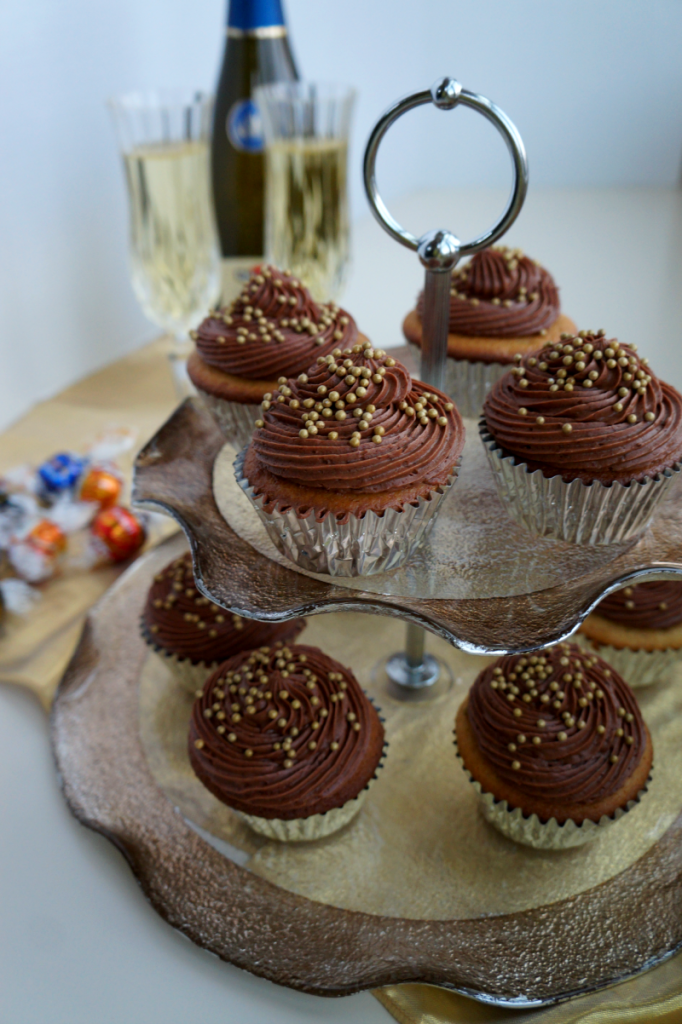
(583, 440)
(350, 463)
(555, 746)
(501, 303)
(638, 630)
(287, 739)
(273, 329)
(192, 634)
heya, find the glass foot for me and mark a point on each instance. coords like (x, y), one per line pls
(178, 367)
(431, 680)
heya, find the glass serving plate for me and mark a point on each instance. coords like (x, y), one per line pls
(481, 582)
(418, 888)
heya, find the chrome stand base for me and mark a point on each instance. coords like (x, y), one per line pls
(413, 675)
(438, 685)
(400, 672)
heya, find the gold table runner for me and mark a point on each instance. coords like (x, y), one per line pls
(134, 392)
(137, 392)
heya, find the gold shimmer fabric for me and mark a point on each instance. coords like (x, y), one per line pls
(654, 997)
(137, 392)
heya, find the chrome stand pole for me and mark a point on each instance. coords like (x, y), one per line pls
(412, 671)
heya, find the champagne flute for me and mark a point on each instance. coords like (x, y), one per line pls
(306, 125)
(164, 138)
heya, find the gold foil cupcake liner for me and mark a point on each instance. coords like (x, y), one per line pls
(543, 835)
(236, 420)
(467, 382)
(191, 676)
(638, 668)
(363, 546)
(303, 830)
(315, 826)
(580, 513)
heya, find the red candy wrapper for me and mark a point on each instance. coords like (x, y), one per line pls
(101, 486)
(117, 533)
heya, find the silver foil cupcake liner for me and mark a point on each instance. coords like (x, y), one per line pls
(374, 543)
(190, 675)
(638, 668)
(236, 420)
(543, 835)
(467, 383)
(580, 513)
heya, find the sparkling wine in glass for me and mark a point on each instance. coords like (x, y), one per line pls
(164, 138)
(306, 128)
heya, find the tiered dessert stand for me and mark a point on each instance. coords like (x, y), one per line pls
(345, 914)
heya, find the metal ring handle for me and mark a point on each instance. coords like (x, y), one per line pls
(447, 94)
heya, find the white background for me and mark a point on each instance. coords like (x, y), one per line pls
(593, 85)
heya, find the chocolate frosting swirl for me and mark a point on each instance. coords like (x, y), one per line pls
(560, 725)
(501, 293)
(357, 422)
(656, 605)
(284, 732)
(589, 408)
(274, 328)
(178, 619)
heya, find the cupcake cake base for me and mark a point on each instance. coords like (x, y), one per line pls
(529, 830)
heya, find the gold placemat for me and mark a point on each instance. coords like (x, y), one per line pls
(135, 392)
(655, 996)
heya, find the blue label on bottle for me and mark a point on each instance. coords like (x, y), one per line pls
(244, 126)
(248, 15)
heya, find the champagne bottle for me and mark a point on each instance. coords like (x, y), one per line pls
(257, 52)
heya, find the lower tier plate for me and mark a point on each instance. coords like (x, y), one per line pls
(418, 888)
(481, 581)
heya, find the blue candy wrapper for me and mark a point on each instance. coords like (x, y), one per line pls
(59, 474)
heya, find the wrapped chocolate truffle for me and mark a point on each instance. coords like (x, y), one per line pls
(287, 739)
(555, 745)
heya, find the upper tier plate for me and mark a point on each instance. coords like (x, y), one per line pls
(482, 582)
